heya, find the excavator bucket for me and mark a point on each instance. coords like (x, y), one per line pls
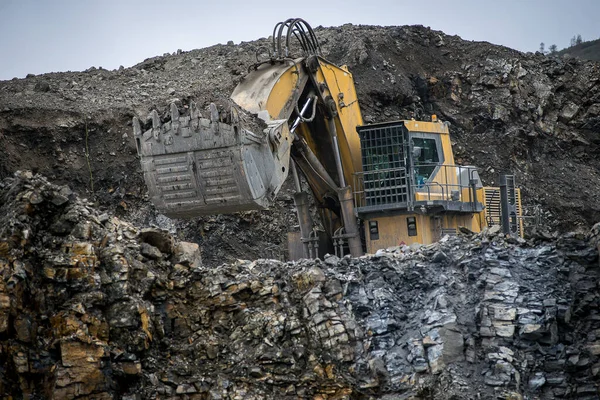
(217, 165)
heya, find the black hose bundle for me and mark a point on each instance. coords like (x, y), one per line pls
(302, 31)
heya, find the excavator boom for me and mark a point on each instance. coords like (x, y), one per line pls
(235, 160)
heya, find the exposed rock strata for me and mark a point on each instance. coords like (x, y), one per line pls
(94, 307)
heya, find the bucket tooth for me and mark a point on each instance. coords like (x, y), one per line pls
(137, 128)
(194, 117)
(175, 124)
(156, 125)
(214, 113)
(233, 114)
(194, 111)
(214, 117)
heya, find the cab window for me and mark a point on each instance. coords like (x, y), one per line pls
(427, 159)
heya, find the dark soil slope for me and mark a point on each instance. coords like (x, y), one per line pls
(589, 50)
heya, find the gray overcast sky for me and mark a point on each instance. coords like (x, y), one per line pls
(38, 36)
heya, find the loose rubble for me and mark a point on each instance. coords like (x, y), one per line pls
(94, 307)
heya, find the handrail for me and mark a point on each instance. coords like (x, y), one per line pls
(431, 190)
(429, 185)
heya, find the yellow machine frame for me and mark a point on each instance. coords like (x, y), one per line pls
(197, 166)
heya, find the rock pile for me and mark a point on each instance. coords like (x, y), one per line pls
(94, 307)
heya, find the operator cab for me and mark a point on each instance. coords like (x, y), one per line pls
(408, 169)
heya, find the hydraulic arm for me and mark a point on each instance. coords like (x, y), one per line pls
(307, 109)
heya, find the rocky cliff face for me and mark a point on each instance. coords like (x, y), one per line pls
(95, 307)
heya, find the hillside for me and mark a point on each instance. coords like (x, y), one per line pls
(589, 50)
(536, 116)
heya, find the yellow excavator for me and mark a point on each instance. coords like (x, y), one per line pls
(376, 185)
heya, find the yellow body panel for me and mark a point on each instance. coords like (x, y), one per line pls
(427, 127)
(447, 177)
(273, 88)
(340, 85)
(393, 230)
(282, 95)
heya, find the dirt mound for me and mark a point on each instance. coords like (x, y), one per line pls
(94, 307)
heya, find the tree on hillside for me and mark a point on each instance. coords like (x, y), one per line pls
(575, 40)
(542, 48)
(553, 49)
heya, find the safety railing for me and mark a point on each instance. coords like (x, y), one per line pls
(450, 186)
(384, 186)
(530, 219)
(526, 216)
